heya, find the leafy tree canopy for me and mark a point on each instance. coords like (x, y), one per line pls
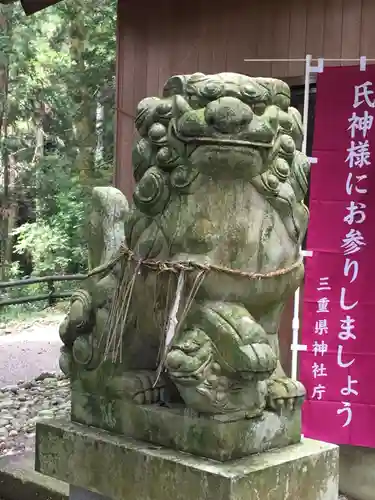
(57, 73)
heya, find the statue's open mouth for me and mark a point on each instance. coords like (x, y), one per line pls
(220, 141)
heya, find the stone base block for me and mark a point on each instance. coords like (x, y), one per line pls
(221, 437)
(357, 467)
(120, 468)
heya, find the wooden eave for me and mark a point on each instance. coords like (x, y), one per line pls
(32, 6)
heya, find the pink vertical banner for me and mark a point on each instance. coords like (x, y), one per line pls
(339, 294)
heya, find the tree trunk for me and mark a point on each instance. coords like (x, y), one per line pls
(39, 144)
(84, 123)
(39, 132)
(108, 103)
(99, 152)
(5, 12)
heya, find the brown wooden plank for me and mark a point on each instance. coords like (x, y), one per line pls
(190, 58)
(351, 30)
(206, 38)
(265, 49)
(281, 37)
(367, 47)
(125, 95)
(163, 39)
(315, 27)
(141, 43)
(126, 54)
(177, 44)
(184, 38)
(154, 53)
(333, 28)
(242, 42)
(235, 22)
(297, 36)
(220, 34)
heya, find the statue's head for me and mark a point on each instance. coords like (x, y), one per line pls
(227, 126)
(232, 124)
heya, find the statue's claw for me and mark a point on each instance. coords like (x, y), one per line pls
(260, 361)
(285, 393)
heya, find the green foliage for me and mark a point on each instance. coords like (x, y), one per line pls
(56, 237)
(49, 247)
(61, 67)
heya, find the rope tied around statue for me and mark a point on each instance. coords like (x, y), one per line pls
(120, 306)
(177, 266)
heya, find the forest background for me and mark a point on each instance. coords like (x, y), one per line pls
(57, 104)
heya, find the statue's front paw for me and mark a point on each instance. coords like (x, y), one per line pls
(285, 393)
(77, 321)
(260, 363)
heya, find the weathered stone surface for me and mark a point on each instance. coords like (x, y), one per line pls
(82, 494)
(188, 310)
(221, 437)
(357, 472)
(75, 454)
(106, 224)
(19, 481)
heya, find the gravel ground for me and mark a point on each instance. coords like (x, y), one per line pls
(47, 396)
(31, 386)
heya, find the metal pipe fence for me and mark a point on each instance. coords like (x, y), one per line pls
(52, 296)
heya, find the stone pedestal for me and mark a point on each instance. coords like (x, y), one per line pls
(121, 468)
(219, 437)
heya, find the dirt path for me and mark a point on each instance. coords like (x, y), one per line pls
(30, 350)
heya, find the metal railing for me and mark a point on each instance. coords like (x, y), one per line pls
(52, 296)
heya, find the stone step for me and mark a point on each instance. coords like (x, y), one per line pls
(19, 481)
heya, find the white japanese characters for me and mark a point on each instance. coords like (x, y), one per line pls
(358, 159)
(347, 327)
(357, 162)
(363, 94)
(320, 347)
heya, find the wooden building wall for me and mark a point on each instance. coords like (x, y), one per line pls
(159, 39)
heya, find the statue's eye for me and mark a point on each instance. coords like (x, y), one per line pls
(249, 91)
(212, 90)
(252, 94)
(254, 97)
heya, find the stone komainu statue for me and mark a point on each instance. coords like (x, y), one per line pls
(188, 286)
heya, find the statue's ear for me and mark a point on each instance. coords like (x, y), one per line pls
(176, 85)
(106, 224)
